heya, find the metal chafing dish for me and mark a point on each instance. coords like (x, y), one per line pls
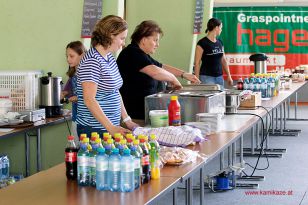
(193, 99)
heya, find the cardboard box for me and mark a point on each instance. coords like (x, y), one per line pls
(251, 101)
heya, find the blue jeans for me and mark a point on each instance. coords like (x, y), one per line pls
(88, 130)
(205, 79)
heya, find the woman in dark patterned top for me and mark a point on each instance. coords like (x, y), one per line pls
(210, 54)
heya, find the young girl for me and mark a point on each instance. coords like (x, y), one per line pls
(74, 52)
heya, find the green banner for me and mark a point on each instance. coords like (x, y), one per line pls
(281, 32)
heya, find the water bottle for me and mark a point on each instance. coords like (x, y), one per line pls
(272, 87)
(5, 167)
(114, 169)
(246, 84)
(83, 176)
(252, 84)
(101, 170)
(137, 166)
(1, 165)
(92, 163)
(127, 182)
(264, 88)
(257, 85)
(269, 90)
(71, 158)
(154, 157)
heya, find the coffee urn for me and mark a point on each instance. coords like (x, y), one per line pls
(50, 90)
(259, 60)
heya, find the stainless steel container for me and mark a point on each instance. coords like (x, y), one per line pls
(259, 60)
(50, 90)
(192, 102)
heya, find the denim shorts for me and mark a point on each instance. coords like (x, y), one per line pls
(205, 79)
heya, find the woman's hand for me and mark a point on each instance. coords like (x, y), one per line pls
(118, 129)
(230, 81)
(131, 125)
(176, 85)
(192, 78)
(73, 99)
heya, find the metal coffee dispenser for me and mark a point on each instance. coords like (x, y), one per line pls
(50, 91)
(193, 99)
(259, 60)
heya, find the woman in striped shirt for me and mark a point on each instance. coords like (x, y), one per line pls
(100, 105)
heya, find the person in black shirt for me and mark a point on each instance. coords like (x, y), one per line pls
(142, 75)
(210, 51)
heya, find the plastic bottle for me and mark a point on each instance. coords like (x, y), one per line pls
(154, 157)
(138, 148)
(101, 170)
(114, 169)
(109, 146)
(83, 176)
(71, 158)
(127, 177)
(1, 164)
(92, 163)
(145, 162)
(137, 166)
(246, 84)
(257, 85)
(251, 84)
(174, 111)
(264, 88)
(240, 84)
(5, 167)
(122, 146)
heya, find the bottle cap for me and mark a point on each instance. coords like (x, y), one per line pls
(85, 140)
(153, 137)
(110, 141)
(82, 136)
(116, 135)
(98, 141)
(126, 152)
(174, 97)
(136, 142)
(101, 150)
(70, 137)
(115, 151)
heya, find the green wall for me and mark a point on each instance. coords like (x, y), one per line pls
(34, 34)
(175, 17)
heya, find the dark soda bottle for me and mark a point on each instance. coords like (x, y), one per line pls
(71, 158)
(145, 163)
(240, 84)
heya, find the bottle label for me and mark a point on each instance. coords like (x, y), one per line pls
(137, 163)
(114, 166)
(70, 156)
(92, 162)
(145, 160)
(102, 165)
(82, 161)
(127, 167)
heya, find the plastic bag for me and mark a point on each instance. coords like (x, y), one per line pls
(177, 155)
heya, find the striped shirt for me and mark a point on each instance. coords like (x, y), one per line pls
(105, 74)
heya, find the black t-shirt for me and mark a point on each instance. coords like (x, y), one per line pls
(211, 57)
(136, 85)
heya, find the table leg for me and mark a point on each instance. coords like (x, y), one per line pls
(38, 149)
(201, 187)
(27, 139)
